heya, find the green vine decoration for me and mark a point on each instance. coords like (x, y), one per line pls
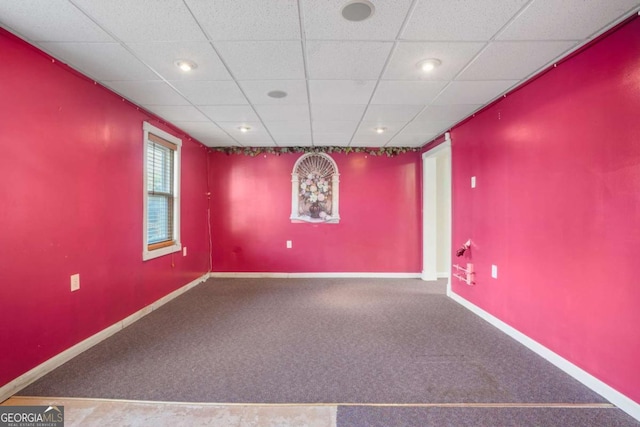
(254, 151)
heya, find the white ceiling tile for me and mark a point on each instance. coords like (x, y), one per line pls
(272, 113)
(391, 113)
(258, 142)
(323, 20)
(256, 134)
(248, 19)
(337, 112)
(216, 142)
(269, 60)
(206, 132)
(177, 113)
(211, 92)
(426, 127)
(410, 140)
(367, 143)
(335, 127)
(407, 92)
(96, 60)
(407, 55)
(355, 92)
(366, 136)
(452, 113)
(153, 92)
(163, 56)
(473, 92)
(346, 60)
(50, 20)
(513, 60)
(229, 113)
(144, 20)
(463, 20)
(296, 127)
(565, 19)
(256, 91)
(331, 138)
(294, 140)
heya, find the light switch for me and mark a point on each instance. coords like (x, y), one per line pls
(184, 251)
(494, 271)
(473, 182)
(289, 244)
(75, 282)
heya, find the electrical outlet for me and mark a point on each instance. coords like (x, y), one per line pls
(494, 271)
(289, 244)
(184, 251)
(75, 282)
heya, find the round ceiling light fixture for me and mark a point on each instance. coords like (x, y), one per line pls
(277, 94)
(244, 129)
(380, 130)
(429, 65)
(186, 65)
(358, 10)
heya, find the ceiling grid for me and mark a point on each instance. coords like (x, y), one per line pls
(299, 73)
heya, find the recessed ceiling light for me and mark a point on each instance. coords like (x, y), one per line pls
(429, 65)
(186, 65)
(244, 129)
(380, 129)
(277, 94)
(358, 10)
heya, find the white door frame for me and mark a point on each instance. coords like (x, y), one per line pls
(430, 202)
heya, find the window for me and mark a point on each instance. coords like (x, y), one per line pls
(314, 188)
(161, 230)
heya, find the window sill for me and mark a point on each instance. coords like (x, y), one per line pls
(147, 255)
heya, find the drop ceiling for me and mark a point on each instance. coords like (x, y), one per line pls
(343, 79)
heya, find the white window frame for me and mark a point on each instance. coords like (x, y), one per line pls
(295, 192)
(177, 246)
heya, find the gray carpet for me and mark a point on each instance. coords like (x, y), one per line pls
(312, 341)
(474, 417)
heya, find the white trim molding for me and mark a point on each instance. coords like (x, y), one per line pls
(612, 395)
(12, 387)
(257, 275)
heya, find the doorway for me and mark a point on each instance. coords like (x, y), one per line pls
(436, 212)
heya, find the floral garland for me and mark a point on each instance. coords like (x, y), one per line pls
(254, 151)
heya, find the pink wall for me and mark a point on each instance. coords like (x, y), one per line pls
(379, 206)
(71, 202)
(557, 209)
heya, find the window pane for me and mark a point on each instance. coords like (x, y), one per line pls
(159, 169)
(160, 219)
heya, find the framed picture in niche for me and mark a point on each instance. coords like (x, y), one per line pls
(315, 189)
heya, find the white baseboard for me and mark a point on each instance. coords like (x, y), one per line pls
(444, 275)
(612, 395)
(12, 387)
(247, 275)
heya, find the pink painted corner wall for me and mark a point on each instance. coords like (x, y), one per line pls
(71, 202)
(557, 208)
(379, 205)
